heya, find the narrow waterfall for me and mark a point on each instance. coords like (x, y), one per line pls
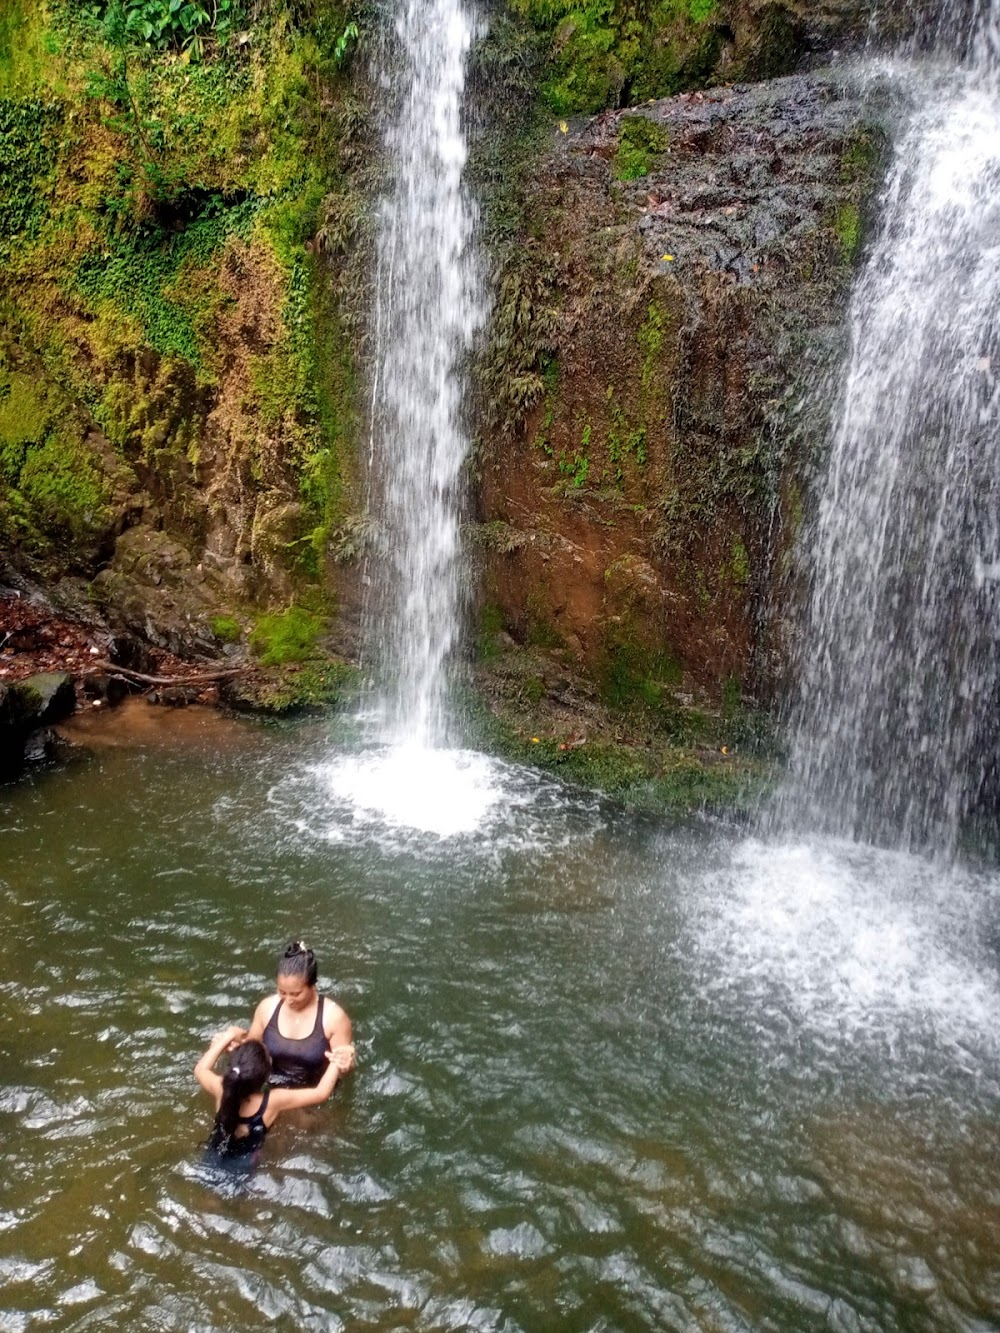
(895, 732)
(429, 303)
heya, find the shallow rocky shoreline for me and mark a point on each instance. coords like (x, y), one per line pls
(52, 667)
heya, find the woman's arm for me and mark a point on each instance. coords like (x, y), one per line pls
(339, 1033)
(204, 1071)
(290, 1099)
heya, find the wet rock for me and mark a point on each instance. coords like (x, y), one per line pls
(155, 592)
(41, 745)
(25, 707)
(52, 695)
(173, 696)
(686, 305)
(108, 689)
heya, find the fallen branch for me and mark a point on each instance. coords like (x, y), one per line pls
(205, 678)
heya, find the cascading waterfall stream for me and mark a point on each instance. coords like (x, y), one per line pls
(896, 726)
(429, 305)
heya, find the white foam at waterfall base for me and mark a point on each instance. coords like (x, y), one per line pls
(855, 944)
(429, 801)
(442, 792)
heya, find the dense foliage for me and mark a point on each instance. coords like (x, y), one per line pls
(166, 168)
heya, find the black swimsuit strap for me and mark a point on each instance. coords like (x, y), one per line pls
(249, 1119)
(317, 1026)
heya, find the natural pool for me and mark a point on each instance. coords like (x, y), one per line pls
(613, 1073)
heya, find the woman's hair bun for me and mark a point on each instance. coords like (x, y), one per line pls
(298, 960)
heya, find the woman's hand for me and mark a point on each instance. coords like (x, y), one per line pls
(231, 1037)
(342, 1057)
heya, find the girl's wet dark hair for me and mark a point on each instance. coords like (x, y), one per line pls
(249, 1068)
(298, 961)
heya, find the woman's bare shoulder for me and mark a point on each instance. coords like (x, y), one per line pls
(267, 1006)
(334, 1016)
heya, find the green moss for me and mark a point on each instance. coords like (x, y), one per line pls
(541, 631)
(491, 624)
(737, 571)
(847, 225)
(651, 338)
(314, 687)
(640, 142)
(61, 483)
(655, 777)
(53, 485)
(632, 674)
(25, 417)
(122, 192)
(863, 155)
(26, 48)
(287, 637)
(227, 629)
(612, 52)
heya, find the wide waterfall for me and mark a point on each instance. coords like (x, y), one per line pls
(429, 304)
(896, 727)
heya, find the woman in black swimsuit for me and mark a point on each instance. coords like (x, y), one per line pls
(304, 1032)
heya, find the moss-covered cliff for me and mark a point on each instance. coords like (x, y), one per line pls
(178, 384)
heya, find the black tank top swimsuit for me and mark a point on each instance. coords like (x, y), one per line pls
(297, 1062)
(242, 1145)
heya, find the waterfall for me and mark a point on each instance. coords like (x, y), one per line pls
(897, 722)
(429, 304)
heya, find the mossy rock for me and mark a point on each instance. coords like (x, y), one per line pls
(314, 686)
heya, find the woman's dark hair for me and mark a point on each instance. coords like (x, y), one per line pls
(298, 961)
(249, 1067)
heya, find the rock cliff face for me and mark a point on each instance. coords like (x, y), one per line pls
(678, 294)
(183, 234)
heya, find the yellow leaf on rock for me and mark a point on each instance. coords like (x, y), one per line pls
(564, 127)
(667, 259)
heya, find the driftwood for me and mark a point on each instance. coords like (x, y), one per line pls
(204, 678)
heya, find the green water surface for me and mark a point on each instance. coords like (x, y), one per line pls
(609, 1076)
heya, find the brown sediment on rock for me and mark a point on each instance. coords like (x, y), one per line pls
(687, 281)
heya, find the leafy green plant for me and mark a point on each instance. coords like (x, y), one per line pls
(27, 158)
(160, 24)
(343, 44)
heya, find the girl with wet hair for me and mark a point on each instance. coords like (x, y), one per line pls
(245, 1105)
(302, 1030)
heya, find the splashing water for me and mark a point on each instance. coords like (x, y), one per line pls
(429, 305)
(896, 728)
